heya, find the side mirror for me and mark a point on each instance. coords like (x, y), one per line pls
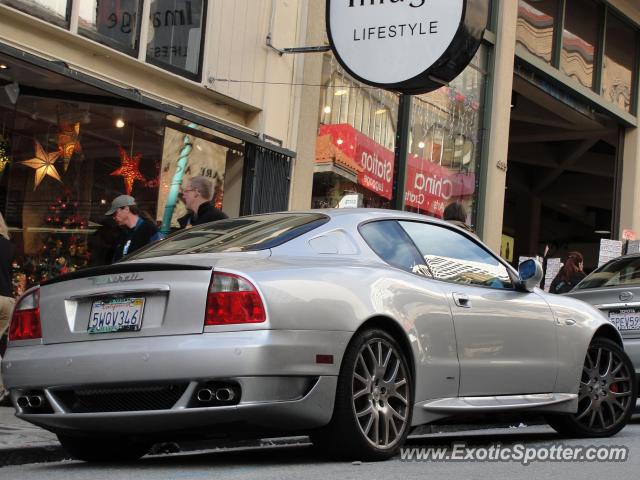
(529, 274)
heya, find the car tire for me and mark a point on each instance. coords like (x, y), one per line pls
(104, 449)
(607, 394)
(374, 384)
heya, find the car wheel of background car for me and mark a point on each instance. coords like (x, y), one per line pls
(374, 399)
(103, 448)
(607, 394)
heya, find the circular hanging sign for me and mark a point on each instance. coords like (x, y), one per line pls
(409, 46)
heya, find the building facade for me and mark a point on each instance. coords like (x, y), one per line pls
(537, 137)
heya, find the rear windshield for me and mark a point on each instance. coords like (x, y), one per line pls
(242, 234)
(620, 272)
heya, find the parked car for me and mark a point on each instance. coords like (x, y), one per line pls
(352, 325)
(614, 289)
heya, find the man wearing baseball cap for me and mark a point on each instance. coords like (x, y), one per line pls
(138, 229)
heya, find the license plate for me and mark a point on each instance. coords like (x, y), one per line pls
(626, 319)
(116, 315)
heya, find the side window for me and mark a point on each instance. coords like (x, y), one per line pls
(452, 257)
(391, 244)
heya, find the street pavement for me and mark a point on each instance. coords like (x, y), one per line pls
(22, 442)
(302, 462)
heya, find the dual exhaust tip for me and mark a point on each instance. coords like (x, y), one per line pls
(222, 394)
(31, 401)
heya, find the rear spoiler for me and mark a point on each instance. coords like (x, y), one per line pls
(124, 268)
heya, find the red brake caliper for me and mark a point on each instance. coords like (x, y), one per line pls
(614, 388)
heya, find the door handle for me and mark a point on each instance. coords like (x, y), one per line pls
(462, 300)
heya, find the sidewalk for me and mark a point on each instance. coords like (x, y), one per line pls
(22, 442)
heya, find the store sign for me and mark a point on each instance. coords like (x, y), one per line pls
(409, 46)
(431, 187)
(376, 161)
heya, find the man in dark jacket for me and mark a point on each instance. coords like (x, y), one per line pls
(137, 229)
(197, 197)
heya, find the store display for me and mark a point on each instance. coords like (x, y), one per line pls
(68, 141)
(63, 249)
(129, 170)
(5, 149)
(43, 163)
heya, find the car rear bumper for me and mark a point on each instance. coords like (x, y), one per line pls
(281, 385)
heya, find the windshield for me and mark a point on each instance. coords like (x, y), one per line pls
(242, 234)
(623, 271)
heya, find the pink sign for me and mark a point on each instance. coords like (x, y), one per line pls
(377, 162)
(431, 187)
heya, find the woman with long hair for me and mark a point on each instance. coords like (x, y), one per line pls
(7, 250)
(569, 275)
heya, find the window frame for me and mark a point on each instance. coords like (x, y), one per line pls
(409, 240)
(106, 41)
(38, 12)
(513, 276)
(196, 77)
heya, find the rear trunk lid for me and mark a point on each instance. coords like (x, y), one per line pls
(161, 296)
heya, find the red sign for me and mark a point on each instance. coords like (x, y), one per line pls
(628, 234)
(376, 161)
(431, 187)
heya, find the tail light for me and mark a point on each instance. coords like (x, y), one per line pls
(25, 322)
(233, 299)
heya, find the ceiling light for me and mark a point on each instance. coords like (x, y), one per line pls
(421, 145)
(339, 93)
(380, 111)
(327, 109)
(120, 123)
(3, 66)
(602, 232)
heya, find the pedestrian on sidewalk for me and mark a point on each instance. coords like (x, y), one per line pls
(569, 275)
(197, 196)
(138, 228)
(7, 250)
(456, 213)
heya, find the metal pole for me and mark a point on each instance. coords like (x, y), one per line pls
(402, 151)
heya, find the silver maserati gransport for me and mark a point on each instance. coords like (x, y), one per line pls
(351, 325)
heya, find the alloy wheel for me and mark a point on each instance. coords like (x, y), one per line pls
(605, 389)
(381, 393)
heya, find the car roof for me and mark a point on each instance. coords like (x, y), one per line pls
(361, 214)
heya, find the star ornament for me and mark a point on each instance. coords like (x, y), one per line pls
(68, 141)
(43, 163)
(129, 170)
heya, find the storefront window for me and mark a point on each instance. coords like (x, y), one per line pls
(54, 11)
(176, 34)
(536, 26)
(444, 143)
(355, 143)
(190, 150)
(113, 22)
(66, 152)
(579, 39)
(620, 52)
